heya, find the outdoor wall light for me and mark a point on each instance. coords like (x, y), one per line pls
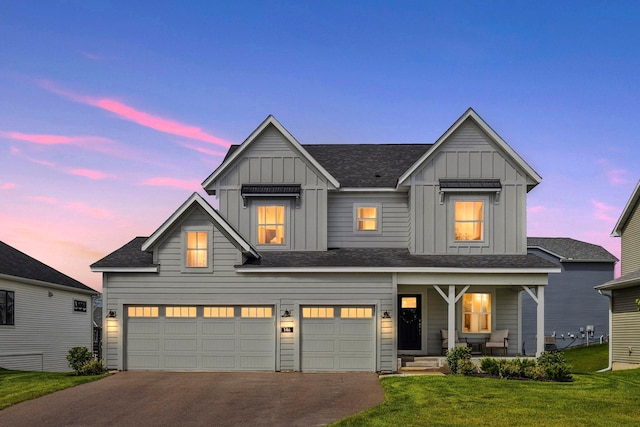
(386, 315)
(286, 313)
(111, 314)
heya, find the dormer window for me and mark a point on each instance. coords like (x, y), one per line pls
(367, 218)
(469, 220)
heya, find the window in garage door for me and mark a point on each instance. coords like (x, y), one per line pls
(317, 312)
(218, 312)
(180, 311)
(257, 312)
(142, 311)
(356, 312)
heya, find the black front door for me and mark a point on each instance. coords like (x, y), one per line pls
(410, 322)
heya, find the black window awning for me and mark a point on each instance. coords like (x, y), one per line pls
(470, 186)
(270, 190)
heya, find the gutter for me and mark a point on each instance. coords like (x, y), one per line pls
(608, 368)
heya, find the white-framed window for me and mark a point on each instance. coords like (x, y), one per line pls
(469, 220)
(317, 312)
(367, 218)
(476, 312)
(143, 311)
(256, 312)
(180, 311)
(7, 305)
(197, 249)
(270, 227)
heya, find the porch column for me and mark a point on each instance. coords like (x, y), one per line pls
(451, 318)
(540, 325)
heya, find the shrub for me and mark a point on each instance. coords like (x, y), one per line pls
(555, 366)
(536, 373)
(457, 358)
(510, 369)
(93, 367)
(490, 366)
(78, 357)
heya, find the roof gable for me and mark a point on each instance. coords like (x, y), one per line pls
(632, 203)
(571, 250)
(533, 178)
(197, 200)
(20, 265)
(237, 153)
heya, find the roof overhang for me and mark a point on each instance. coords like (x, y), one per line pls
(627, 211)
(259, 270)
(48, 284)
(532, 176)
(150, 269)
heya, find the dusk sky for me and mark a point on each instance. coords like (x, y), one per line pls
(113, 112)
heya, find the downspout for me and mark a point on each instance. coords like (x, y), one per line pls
(608, 368)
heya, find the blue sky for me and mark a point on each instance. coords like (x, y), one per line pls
(113, 112)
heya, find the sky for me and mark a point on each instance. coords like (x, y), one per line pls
(113, 112)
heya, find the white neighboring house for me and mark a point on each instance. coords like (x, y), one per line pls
(43, 313)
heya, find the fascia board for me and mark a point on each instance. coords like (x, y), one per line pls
(626, 212)
(240, 269)
(270, 120)
(150, 269)
(47, 284)
(368, 190)
(470, 113)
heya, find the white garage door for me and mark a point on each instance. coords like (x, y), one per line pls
(338, 339)
(200, 338)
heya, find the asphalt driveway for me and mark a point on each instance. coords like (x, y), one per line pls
(208, 398)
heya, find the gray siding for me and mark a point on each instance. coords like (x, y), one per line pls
(629, 243)
(571, 303)
(625, 337)
(468, 153)
(46, 327)
(272, 160)
(395, 220)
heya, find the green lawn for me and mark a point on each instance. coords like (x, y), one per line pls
(608, 398)
(17, 386)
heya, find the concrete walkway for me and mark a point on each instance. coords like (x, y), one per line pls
(202, 399)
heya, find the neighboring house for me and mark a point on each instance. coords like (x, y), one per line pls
(330, 257)
(43, 313)
(623, 292)
(571, 305)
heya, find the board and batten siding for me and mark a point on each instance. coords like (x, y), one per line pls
(629, 243)
(625, 334)
(394, 220)
(271, 159)
(468, 153)
(46, 327)
(226, 287)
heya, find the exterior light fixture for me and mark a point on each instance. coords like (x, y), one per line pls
(111, 314)
(286, 313)
(386, 315)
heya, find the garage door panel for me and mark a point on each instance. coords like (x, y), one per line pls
(256, 362)
(319, 345)
(144, 327)
(219, 345)
(218, 328)
(258, 345)
(354, 363)
(144, 361)
(180, 362)
(219, 362)
(180, 327)
(356, 328)
(181, 344)
(256, 327)
(356, 346)
(320, 327)
(145, 345)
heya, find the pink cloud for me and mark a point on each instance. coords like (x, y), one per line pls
(44, 199)
(536, 209)
(603, 211)
(615, 176)
(193, 185)
(204, 150)
(83, 208)
(14, 150)
(89, 173)
(45, 139)
(7, 186)
(92, 56)
(142, 118)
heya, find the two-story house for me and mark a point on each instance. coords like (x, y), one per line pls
(330, 257)
(624, 292)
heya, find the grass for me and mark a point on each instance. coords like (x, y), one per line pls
(18, 386)
(608, 398)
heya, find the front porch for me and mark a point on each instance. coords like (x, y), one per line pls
(433, 364)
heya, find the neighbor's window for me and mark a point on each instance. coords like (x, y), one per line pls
(256, 312)
(469, 220)
(367, 218)
(271, 225)
(142, 311)
(197, 248)
(317, 312)
(7, 299)
(476, 313)
(180, 312)
(356, 312)
(218, 312)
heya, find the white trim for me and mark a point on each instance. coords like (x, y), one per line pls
(456, 270)
(220, 222)
(150, 269)
(47, 284)
(470, 114)
(626, 212)
(270, 120)
(378, 219)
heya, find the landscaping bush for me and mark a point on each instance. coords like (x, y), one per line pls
(459, 361)
(555, 366)
(93, 367)
(78, 357)
(490, 366)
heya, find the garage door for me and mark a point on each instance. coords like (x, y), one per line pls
(217, 338)
(338, 339)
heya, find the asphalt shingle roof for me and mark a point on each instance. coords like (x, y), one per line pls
(129, 255)
(391, 258)
(18, 264)
(571, 249)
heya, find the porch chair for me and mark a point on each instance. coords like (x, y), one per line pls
(444, 337)
(498, 339)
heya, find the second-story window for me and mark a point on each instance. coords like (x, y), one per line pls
(197, 249)
(367, 218)
(469, 220)
(271, 226)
